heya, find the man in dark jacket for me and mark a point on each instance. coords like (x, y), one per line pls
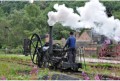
(71, 43)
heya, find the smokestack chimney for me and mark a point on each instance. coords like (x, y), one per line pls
(109, 14)
(50, 40)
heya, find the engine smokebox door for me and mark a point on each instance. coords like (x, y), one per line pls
(26, 47)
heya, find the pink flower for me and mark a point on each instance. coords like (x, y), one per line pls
(34, 70)
(3, 78)
(97, 77)
(83, 73)
(85, 76)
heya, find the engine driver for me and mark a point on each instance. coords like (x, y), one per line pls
(71, 43)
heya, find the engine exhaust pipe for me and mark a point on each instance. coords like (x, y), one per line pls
(50, 40)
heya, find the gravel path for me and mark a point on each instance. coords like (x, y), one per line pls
(99, 60)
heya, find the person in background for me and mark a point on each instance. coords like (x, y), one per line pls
(71, 44)
(108, 42)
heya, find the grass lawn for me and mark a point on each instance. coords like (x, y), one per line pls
(13, 71)
(102, 68)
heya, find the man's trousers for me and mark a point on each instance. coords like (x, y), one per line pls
(71, 55)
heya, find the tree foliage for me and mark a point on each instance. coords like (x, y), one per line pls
(19, 20)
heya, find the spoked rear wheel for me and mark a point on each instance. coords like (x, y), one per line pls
(36, 50)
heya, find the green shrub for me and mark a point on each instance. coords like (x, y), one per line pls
(0, 46)
(94, 56)
(16, 50)
(103, 65)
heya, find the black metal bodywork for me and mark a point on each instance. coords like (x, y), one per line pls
(54, 56)
(26, 47)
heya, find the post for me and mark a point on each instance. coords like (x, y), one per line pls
(50, 40)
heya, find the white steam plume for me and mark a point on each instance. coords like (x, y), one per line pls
(64, 15)
(92, 15)
(31, 1)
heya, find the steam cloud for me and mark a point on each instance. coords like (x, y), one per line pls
(92, 15)
(31, 1)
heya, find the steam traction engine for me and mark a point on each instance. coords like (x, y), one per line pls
(49, 54)
(109, 50)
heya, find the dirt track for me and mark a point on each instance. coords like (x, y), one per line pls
(99, 60)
